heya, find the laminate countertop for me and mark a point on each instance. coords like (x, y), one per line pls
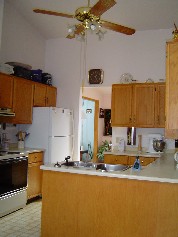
(15, 152)
(163, 169)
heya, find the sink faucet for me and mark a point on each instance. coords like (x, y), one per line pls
(66, 159)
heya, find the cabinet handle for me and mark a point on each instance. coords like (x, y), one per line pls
(134, 119)
(158, 119)
(130, 120)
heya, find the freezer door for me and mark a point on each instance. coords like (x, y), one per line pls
(61, 123)
(59, 148)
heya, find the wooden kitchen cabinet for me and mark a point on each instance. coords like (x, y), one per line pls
(138, 105)
(22, 102)
(6, 90)
(35, 160)
(121, 105)
(127, 160)
(171, 130)
(143, 160)
(116, 159)
(143, 105)
(44, 95)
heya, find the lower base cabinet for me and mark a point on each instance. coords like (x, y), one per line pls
(127, 160)
(35, 160)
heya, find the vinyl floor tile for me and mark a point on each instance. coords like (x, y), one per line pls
(25, 222)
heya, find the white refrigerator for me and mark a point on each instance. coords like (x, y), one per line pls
(52, 129)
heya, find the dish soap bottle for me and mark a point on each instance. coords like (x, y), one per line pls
(137, 165)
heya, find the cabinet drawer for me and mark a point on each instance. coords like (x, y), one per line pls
(143, 160)
(35, 157)
(116, 159)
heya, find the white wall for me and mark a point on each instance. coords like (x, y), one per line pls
(142, 54)
(21, 42)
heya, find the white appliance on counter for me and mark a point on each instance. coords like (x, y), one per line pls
(52, 129)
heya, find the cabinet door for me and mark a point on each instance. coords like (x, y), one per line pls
(23, 101)
(143, 160)
(39, 99)
(34, 180)
(121, 106)
(160, 106)
(116, 159)
(6, 90)
(144, 104)
(172, 90)
(51, 93)
(35, 157)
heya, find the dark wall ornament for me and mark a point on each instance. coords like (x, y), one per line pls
(95, 76)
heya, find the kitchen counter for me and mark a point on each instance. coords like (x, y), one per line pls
(163, 169)
(85, 202)
(24, 151)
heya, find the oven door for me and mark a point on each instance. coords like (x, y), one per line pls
(13, 184)
(13, 175)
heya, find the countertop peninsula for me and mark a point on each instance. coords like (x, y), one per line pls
(85, 202)
(163, 169)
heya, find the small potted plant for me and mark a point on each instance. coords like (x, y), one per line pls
(101, 149)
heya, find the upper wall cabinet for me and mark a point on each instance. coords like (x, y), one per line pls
(138, 105)
(121, 105)
(172, 90)
(21, 95)
(6, 90)
(22, 102)
(44, 95)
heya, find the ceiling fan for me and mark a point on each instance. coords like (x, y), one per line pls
(90, 19)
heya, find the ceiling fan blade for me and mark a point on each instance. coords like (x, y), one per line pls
(118, 28)
(102, 6)
(53, 13)
(79, 29)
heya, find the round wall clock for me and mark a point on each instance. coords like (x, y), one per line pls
(95, 76)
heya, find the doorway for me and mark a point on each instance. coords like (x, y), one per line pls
(89, 128)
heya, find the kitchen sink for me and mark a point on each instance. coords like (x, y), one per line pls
(78, 164)
(96, 166)
(111, 167)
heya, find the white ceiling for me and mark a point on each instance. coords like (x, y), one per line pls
(138, 14)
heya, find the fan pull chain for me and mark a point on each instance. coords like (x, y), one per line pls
(83, 61)
(88, 3)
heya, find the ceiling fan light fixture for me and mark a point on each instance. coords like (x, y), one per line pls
(71, 29)
(80, 37)
(100, 34)
(94, 25)
(90, 19)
